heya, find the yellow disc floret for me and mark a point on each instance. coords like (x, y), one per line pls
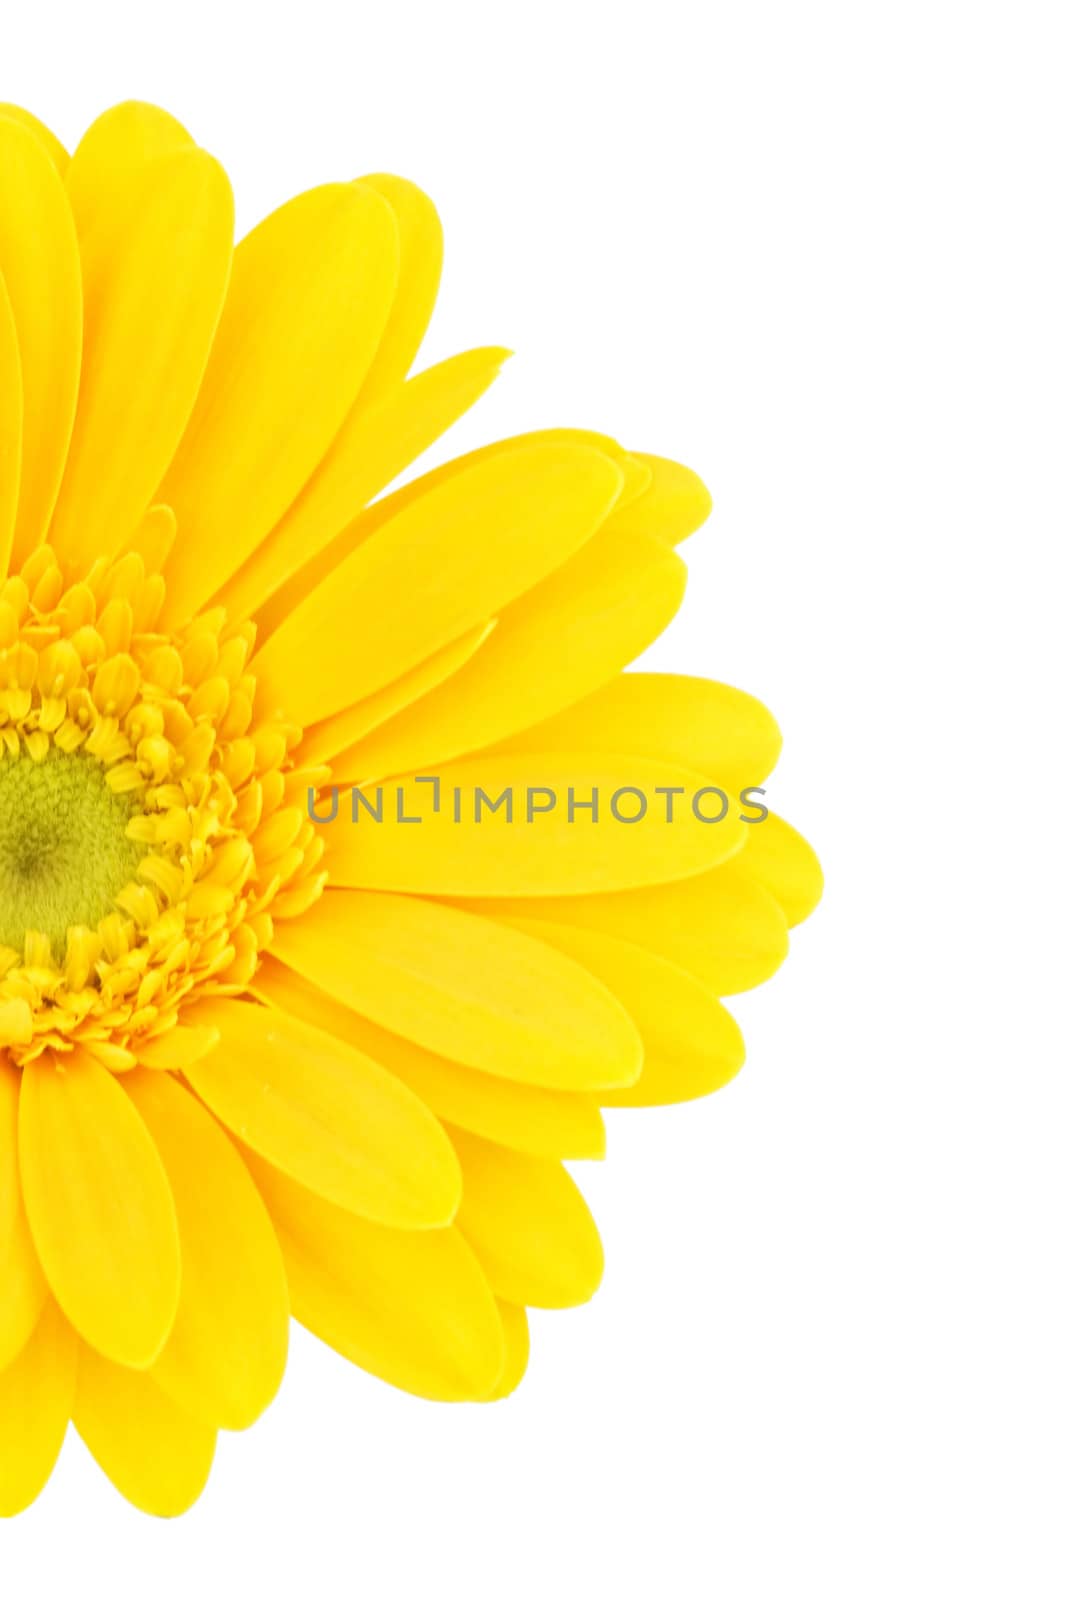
(150, 826)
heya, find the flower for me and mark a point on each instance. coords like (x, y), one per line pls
(255, 1063)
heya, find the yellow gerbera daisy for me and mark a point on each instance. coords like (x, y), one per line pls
(262, 1053)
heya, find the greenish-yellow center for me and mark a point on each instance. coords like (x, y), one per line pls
(64, 854)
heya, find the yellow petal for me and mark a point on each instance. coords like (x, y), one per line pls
(176, 1049)
(783, 862)
(551, 843)
(421, 251)
(155, 1454)
(451, 559)
(155, 265)
(10, 429)
(529, 1226)
(26, 119)
(413, 1308)
(562, 639)
(41, 268)
(708, 727)
(311, 290)
(327, 1115)
(99, 1207)
(543, 1122)
(673, 506)
(517, 1339)
(570, 438)
(722, 926)
(386, 510)
(226, 1353)
(154, 536)
(464, 988)
(371, 448)
(692, 1044)
(36, 1396)
(22, 1286)
(116, 147)
(339, 732)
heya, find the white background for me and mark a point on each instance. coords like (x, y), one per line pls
(818, 251)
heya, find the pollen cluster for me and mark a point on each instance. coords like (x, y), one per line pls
(151, 827)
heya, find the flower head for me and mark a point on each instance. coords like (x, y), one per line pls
(344, 873)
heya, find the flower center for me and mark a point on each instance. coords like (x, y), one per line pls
(64, 854)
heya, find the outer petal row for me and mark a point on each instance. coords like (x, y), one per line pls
(156, 239)
(41, 269)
